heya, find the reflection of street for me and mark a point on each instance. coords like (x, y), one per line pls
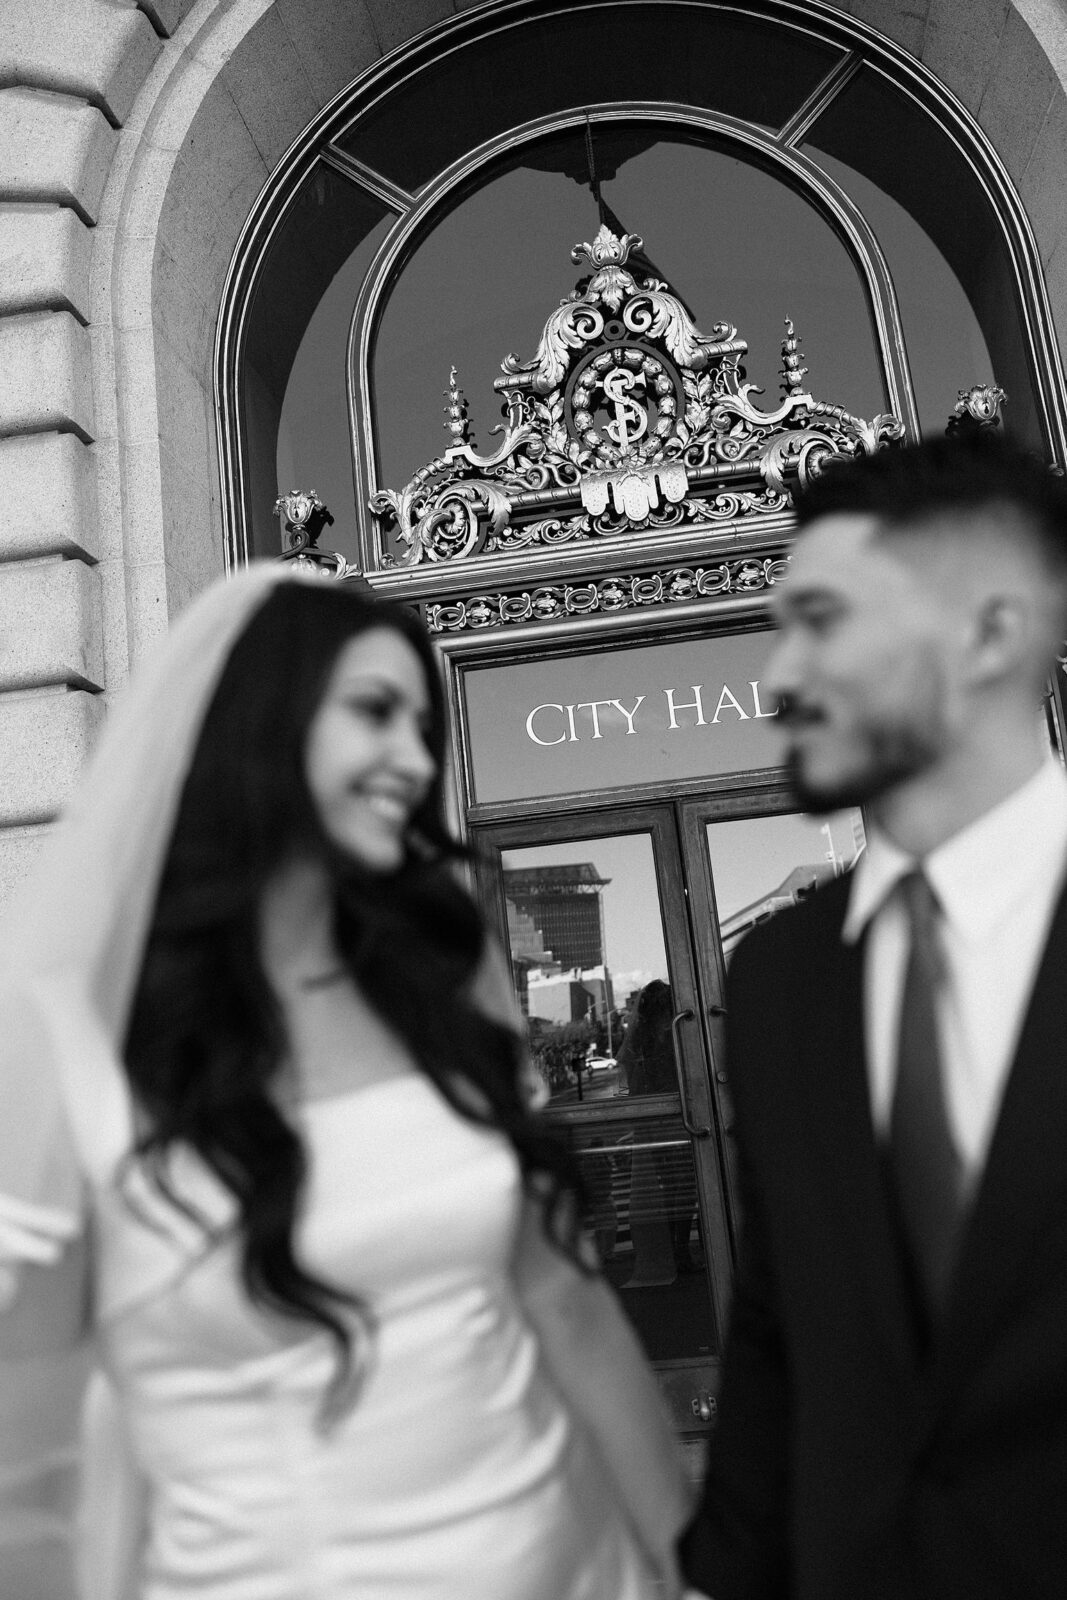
(599, 1084)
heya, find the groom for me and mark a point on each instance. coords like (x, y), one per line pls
(893, 1412)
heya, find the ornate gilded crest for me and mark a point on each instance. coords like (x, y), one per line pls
(627, 420)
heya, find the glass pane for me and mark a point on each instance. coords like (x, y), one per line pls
(293, 374)
(586, 939)
(884, 136)
(947, 351)
(688, 709)
(775, 258)
(641, 1180)
(763, 864)
(584, 55)
(314, 438)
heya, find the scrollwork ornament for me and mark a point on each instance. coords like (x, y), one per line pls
(573, 326)
(648, 591)
(551, 531)
(656, 315)
(304, 517)
(715, 580)
(516, 608)
(580, 599)
(446, 618)
(628, 419)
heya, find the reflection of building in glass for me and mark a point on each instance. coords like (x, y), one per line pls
(528, 953)
(526, 940)
(556, 926)
(563, 997)
(565, 906)
(800, 882)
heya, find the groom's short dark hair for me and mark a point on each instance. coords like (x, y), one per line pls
(944, 481)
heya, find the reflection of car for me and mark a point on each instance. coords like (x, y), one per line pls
(599, 1063)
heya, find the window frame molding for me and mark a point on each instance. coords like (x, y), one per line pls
(530, 642)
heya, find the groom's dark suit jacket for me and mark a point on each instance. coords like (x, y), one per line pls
(848, 1465)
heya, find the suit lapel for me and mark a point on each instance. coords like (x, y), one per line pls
(1019, 1207)
(835, 1063)
(1018, 1211)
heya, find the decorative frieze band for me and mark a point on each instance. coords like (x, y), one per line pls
(554, 601)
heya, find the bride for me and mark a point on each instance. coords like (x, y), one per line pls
(266, 1168)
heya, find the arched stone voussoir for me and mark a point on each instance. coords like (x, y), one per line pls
(236, 85)
(903, 21)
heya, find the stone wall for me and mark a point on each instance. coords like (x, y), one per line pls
(70, 71)
(134, 138)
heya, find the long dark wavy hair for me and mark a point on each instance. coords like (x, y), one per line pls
(206, 1043)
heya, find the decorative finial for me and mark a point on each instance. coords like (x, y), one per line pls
(977, 409)
(607, 249)
(793, 374)
(457, 412)
(304, 516)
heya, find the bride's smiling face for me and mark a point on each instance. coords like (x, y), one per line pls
(366, 760)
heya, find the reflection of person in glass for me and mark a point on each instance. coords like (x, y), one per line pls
(261, 1083)
(646, 1059)
(662, 1193)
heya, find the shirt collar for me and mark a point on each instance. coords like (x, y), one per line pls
(981, 872)
(878, 870)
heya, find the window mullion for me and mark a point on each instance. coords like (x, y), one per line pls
(793, 132)
(390, 194)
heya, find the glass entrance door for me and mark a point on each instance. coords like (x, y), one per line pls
(620, 924)
(741, 869)
(594, 909)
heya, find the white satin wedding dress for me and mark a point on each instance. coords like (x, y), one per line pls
(457, 1473)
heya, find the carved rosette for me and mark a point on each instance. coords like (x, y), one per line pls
(627, 420)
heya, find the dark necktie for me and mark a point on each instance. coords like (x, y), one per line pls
(925, 1164)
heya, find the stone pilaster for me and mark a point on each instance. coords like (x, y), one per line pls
(71, 70)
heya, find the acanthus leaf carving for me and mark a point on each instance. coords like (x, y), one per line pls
(627, 420)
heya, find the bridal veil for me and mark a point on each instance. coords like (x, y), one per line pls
(71, 947)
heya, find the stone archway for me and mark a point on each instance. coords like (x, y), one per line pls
(147, 132)
(263, 71)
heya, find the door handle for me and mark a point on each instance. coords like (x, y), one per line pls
(688, 1124)
(703, 1406)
